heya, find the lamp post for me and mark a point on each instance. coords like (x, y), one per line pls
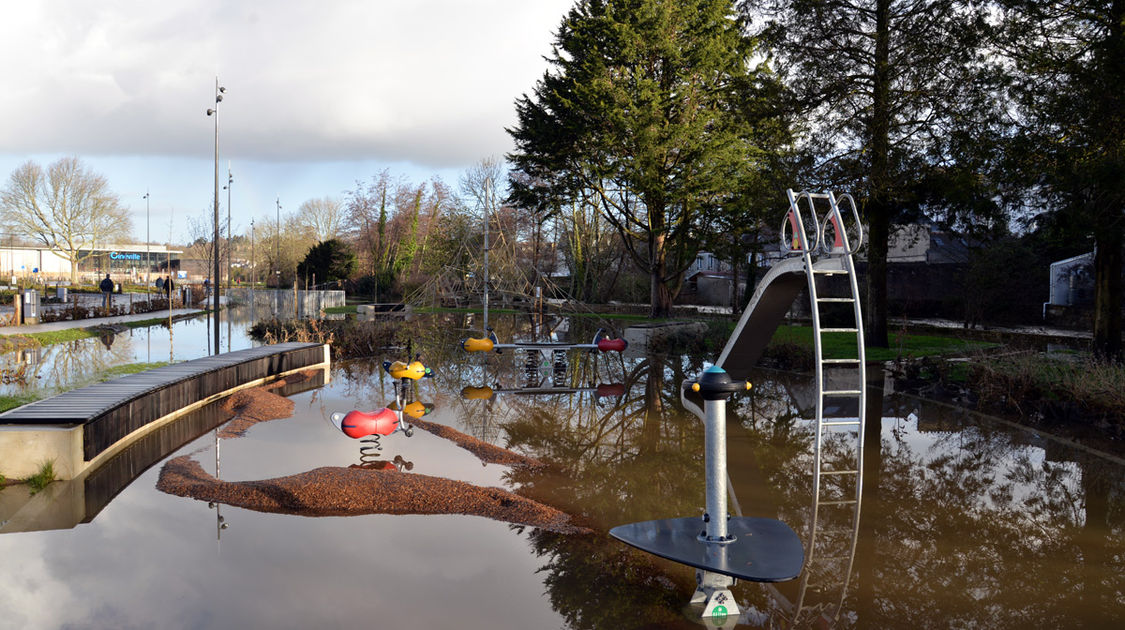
(230, 180)
(215, 244)
(277, 243)
(253, 260)
(148, 247)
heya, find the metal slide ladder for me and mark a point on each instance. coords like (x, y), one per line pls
(837, 488)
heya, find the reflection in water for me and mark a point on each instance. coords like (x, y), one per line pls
(72, 364)
(965, 522)
(370, 488)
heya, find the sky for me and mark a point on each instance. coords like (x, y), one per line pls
(319, 94)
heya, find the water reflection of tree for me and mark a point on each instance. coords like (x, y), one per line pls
(963, 524)
(634, 458)
(1001, 527)
(76, 363)
(957, 514)
(595, 582)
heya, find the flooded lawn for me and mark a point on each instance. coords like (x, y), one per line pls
(963, 521)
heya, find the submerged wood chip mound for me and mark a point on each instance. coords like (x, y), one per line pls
(335, 491)
(258, 404)
(488, 453)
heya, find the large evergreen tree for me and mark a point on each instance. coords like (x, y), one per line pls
(637, 112)
(1069, 85)
(328, 261)
(891, 94)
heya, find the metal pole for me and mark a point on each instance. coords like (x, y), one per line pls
(215, 241)
(715, 444)
(230, 180)
(148, 249)
(487, 187)
(277, 243)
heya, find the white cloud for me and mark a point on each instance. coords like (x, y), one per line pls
(429, 82)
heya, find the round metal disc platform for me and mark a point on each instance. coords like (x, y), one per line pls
(764, 549)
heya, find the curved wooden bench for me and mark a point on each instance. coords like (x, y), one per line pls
(79, 428)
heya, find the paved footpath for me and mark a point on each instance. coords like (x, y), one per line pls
(95, 321)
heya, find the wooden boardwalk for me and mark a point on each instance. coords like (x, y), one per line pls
(108, 412)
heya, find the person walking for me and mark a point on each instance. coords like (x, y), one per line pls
(106, 286)
(168, 290)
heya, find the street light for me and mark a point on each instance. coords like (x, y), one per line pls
(148, 246)
(215, 244)
(277, 243)
(230, 180)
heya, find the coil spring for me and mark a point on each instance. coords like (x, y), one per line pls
(559, 368)
(370, 449)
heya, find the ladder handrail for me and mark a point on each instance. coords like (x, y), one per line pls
(836, 219)
(796, 223)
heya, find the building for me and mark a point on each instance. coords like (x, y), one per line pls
(122, 262)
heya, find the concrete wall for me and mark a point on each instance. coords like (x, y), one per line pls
(282, 304)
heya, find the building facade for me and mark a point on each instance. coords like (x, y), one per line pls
(133, 263)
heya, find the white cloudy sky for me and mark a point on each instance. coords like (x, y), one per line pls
(319, 93)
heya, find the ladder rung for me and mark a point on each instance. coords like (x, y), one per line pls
(831, 272)
(841, 502)
(839, 330)
(841, 392)
(838, 423)
(839, 472)
(836, 531)
(839, 361)
(835, 299)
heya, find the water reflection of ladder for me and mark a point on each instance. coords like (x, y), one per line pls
(841, 390)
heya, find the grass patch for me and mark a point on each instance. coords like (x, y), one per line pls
(341, 309)
(61, 336)
(842, 345)
(1034, 380)
(19, 400)
(43, 478)
(11, 342)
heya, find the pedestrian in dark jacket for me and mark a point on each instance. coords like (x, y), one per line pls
(106, 286)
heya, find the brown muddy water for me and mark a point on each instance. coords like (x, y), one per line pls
(964, 521)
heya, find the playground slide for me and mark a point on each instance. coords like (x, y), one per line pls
(765, 312)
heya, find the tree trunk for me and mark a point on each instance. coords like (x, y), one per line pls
(875, 332)
(1109, 233)
(878, 216)
(1107, 295)
(659, 293)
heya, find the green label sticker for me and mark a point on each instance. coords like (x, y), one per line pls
(719, 615)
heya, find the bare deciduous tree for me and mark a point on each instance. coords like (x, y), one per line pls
(324, 218)
(66, 207)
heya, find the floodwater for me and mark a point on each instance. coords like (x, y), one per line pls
(964, 521)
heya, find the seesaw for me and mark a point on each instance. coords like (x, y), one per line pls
(490, 343)
(485, 393)
(413, 370)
